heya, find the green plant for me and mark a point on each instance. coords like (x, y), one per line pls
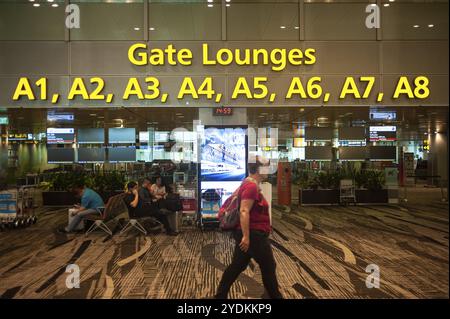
(100, 182)
(64, 181)
(375, 180)
(45, 186)
(314, 183)
(328, 179)
(360, 178)
(110, 181)
(303, 179)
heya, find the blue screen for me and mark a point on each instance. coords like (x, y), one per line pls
(122, 135)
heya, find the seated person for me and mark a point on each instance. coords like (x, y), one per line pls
(158, 189)
(138, 208)
(145, 191)
(91, 202)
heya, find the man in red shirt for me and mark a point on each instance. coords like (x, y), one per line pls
(252, 237)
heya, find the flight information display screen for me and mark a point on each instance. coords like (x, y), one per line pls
(60, 135)
(122, 135)
(122, 154)
(91, 155)
(382, 133)
(60, 117)
(91, 136)
(382, 115)
(60, 155)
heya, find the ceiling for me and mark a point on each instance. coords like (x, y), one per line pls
(413, 122)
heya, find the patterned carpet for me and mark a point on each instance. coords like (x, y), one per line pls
(321, 252)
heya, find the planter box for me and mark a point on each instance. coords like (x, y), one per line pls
(58, 198)
(365, 196)
(318, 197)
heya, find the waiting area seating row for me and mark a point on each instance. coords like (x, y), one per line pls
(114, 208)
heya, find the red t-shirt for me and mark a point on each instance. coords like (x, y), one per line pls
(259, 214)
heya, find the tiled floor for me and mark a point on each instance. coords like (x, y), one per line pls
(321, 252)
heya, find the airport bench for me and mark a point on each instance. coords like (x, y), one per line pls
(112, 209)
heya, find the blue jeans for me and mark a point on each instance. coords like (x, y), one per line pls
(79, 217)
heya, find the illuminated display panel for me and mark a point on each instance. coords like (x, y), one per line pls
(60, 135)
(223, 166)
(382, 133)
(122, 135)
(91, 136)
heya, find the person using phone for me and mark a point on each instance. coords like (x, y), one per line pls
(137, 208)
(91, 203)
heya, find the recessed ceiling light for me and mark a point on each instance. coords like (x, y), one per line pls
(36, 5)
(210, 5)
(137, 29)
(93, 114)
(296, 28)
(55, 5)
(283, 27)
(431, 25)
(50, 0)
(152, 29)
(228, 0)
(210, 0)
(416, 26)
(31, 0)
(227, 5)
(386, 4)
(391, 0)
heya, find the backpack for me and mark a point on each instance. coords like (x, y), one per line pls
(229, 212)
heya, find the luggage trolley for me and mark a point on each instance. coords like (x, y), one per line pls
(189, 203)
(8, 210)
(347, 192)
(211, 201)
(16, 208)
(26, 205)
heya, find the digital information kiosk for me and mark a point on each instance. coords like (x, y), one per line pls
(223, 165)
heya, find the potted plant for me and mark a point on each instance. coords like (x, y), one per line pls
(109, 184)
(58, 189)
(322, 189)
(371, 188)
